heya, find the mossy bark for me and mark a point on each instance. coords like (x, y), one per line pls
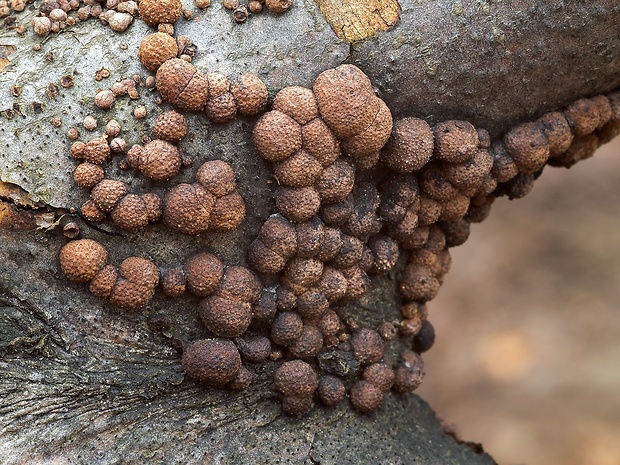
(85, 383)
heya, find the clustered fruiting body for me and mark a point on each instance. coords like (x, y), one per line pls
(332, 231)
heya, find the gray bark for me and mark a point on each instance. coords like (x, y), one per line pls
(86, 383)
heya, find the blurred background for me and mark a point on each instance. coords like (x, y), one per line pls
(527, 356)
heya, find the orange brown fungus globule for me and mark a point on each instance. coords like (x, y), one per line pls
(359, 195)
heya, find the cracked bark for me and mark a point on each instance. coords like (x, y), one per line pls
(85, 383)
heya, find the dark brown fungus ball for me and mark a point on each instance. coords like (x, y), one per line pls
(387, 331)
(331, 390)
(310, 237)
(436, 239)
(286, 328)
(159, 160)
(368, 162)
(102, 283)
(329, 324)
(336, 214)
(418, 283)
(414, 310)
(583, 116)
(365, 396)
(455, 208)
(470, 173)
(504, 167)
(484, 138)
(479, 209)
(333, 284)
(130, 213)
(320, 142)
(295, 378)
(426, 258)
(217, 177)
(425, 338)
(297, 102)
(417, 239)
(254, 349)
(299, 170)
(455, 141)
(373, 138)
(346, 100)
(381, 375)
(212, 361)
(312, 304)
(228, 212)
(580, 149)
(286, 300)
(298, 204)
(350, 252)
(435, 184)
(81, 260)
(203, 274)
(456, 232)
(521, 185)
(398, 192)
(409, 372)
(250, 94)
(188, 208)
(364, 221)
(308, 344)
(276, 136)
(263, 259)
(238, 283)
(221, 108)
(296, 405)
(410, 145)
(140, 271)
(407, 227)
(367, 346)
(385, 253)
(558, 132)
(357, 283)
(130, 295)
(605, 109)
(331, 244)
(171, 126)
(96, 150)
(173, 281)
(528, 146)
(225, 317)
(264, 311)
(242, 381)
(279, 235)
(303, 271)
(88, 175)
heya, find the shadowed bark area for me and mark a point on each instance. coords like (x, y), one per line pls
(86, 383)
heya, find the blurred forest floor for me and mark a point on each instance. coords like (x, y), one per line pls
(527, 358)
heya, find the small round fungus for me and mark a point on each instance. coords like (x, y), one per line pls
(212, 361)
(82, 259)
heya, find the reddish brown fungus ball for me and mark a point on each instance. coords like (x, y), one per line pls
(365, 396)
(455, 141)
(212, 361)
(331, 390)
(203, 273)
(297, 102)
(171, 126)
(217, 177)
(295, 378)
(250, 94)
(276, 136)
(88, 175)
(298, 204)
(154, 12)
(188, 208)
(367, 346)
(159, 160)
(225, 317)
(82, 259)
(155, 49)
(286, 328)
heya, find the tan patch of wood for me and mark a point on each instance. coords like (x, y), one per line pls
(355, 20)
(5, 51)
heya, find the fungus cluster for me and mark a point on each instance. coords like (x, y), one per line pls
(358, 194)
